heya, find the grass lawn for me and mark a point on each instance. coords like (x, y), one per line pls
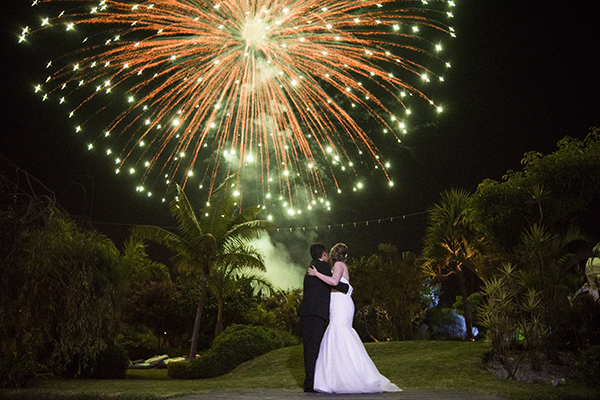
(414, 365)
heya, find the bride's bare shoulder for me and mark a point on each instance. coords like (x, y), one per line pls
(340, 265)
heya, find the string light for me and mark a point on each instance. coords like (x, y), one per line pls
(353, 224)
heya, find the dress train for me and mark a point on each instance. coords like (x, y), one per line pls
(343, 365)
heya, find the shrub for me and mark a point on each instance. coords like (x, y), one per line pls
(178, 369)
(139, 342)
(16, 369)
(236, 345)
(446, 324)
(589, 366)
(110, 363)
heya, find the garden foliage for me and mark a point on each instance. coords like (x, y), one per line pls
(59, 291)
(589, 366)
(236, 345)
(110, 363)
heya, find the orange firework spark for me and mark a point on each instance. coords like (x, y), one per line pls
(258, 87)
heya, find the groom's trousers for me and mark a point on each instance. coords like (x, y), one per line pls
(313, 328)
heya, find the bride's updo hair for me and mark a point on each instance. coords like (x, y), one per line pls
(339, 252)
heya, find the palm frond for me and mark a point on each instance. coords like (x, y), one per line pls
(247, 214)
(160, 236)
(241, 259)
(182, 210)
(251, 229)
(221, 209)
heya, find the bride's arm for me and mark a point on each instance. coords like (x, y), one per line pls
(330, 280)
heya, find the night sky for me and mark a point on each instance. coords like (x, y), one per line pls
(524, 74)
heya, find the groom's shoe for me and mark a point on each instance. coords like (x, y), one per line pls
(310, 390)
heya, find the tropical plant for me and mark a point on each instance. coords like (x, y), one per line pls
(287, 313)
(279, 311)
(61, 293)
(545, 258)
(156, 305)
(233, 268)
(152, 299)
(565, 183)
(530, 219)
(202, 239)
(60, 288)
(452, 245)
(141, 268)
(394, 282)
(513, 314)
(527, 304)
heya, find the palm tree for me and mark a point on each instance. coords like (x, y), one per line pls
(237, 264)
(203, 239)
(451, 244)
(139, 266)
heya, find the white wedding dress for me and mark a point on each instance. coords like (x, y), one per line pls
(343, 365)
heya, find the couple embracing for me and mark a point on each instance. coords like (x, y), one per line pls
(335, 360)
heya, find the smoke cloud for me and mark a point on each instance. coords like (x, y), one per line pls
(287, 261)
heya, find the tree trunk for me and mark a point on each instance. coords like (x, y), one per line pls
(398, 323)
(194, 346)
(468, 316)
(367, 329)
(219, 326)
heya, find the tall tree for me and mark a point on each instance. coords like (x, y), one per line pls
(156, 305)
(563, 185)
(60, 283)
(452, 244)
(202, 239)
(60, 294)
(152, 299)
(531, 218)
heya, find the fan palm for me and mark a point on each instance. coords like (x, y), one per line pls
(204, 240)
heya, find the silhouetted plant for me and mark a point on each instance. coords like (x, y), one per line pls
(514, 316)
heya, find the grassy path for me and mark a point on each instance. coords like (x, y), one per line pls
(419, 365)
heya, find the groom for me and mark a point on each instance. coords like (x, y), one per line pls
(314, 311)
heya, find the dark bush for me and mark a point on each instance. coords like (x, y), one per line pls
(446, 324)
(110, 363)
(236, 345)
(16, 369)
(589, 366)
(139, 342)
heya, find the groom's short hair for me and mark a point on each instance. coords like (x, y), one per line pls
(317, 250)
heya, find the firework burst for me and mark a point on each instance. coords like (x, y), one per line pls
(269, 89)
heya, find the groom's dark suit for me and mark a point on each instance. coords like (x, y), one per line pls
(314, 314)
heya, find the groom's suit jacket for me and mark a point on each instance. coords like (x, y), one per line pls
(316, 292)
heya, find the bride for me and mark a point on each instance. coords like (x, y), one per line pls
(343, 365)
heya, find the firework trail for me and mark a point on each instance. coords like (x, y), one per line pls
(265, 88)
